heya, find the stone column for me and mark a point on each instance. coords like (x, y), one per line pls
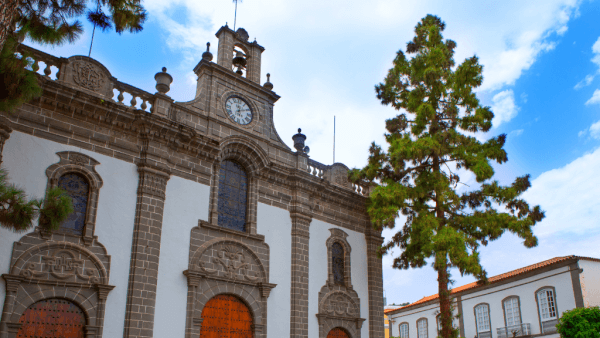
(5, 130)
(299, 293)
(193, 323)
(375, 279)
(145, 251)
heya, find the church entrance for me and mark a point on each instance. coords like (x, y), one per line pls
(52, 318)
(226, 316)
(337, 333)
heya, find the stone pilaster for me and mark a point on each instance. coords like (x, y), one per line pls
(375, 280)
(145, 252)
(5, 130)
(299, 293)
(12, 286)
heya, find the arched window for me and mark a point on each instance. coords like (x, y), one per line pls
(233, 194)
(403, 330)
(512, 312)
(482, 319)
(338, 333)
(337, 258)
(548, 312)
(78, 188)
(422, 328)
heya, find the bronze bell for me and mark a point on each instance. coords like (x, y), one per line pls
(239, 61)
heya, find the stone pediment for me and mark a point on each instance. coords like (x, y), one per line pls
(89, 74)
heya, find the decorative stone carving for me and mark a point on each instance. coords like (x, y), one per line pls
(339, 304)
(88, 76)
(232, 261)
(62, 265)
(338, 174)
(153, 183)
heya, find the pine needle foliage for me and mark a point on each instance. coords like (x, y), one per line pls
(429, 143)
(20, 85)
(17, 213)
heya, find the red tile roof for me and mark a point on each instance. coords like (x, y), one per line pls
(497, 278)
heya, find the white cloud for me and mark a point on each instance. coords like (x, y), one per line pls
(595, 59)
(585, 82)
(569, 195)
(504, 107)
(595, 130)
(595, 98)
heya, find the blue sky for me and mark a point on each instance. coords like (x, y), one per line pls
(541, 77)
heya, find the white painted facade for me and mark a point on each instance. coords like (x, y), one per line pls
(559, 277)
(590, 282)
(116, 210)
(186, 203)
(319, 232)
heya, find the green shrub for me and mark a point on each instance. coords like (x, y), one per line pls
(580, 323)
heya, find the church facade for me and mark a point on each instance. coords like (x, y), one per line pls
(192, 219)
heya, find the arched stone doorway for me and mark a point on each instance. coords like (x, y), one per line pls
(52, 318)
(338, 333)
(226, 316)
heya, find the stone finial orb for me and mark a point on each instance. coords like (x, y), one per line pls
(268, 85)
(163, 81)
(207, 55)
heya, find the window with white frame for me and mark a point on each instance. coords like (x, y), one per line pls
(482, 317)
(512, 313)
(403, 330)
(439, 323)
(422, 328)
(546, 304)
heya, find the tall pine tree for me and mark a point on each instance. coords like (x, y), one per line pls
(429, 142)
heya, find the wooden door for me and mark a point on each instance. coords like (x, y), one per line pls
(52, 318)
(226, 316)
(337, 333)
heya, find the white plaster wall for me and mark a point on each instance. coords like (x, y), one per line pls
(186, 202)
(590, 282)
(27, 157)
(276, 225)
(560, 279)
(319, 233)
(412, 316)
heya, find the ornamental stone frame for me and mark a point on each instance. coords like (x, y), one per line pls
(339, 305)
(59, 267)
(225, 261)
(251, 156)
(74, 162)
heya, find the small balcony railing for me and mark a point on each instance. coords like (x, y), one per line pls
(514, 331)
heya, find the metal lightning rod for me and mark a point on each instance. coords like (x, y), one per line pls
(333, 138)
(235, 15)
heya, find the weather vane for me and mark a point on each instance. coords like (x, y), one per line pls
(235, 16)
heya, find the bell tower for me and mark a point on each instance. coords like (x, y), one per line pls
(238, 54)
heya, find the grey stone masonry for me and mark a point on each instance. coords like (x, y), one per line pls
(299, 293)
(143, 271)
(376, 323)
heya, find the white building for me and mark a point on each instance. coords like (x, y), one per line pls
(525, 302)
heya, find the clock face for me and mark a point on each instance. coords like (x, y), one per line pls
(238, 110)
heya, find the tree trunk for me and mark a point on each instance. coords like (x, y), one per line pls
(8, 13)
(445, 299)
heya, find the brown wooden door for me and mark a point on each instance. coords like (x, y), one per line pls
(226, 316)
(337, 333)
(52, 318)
